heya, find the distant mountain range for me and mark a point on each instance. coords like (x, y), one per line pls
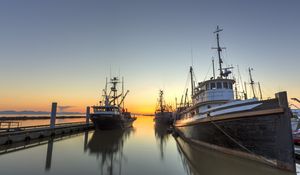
(35, 112)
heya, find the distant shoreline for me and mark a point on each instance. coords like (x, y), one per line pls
(36, 117)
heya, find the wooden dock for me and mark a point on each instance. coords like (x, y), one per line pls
(11, 132)
(20, 134)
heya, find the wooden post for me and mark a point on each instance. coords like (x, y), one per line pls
(285, 153)
(87, 116)
(53, 115)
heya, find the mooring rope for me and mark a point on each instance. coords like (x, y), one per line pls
(238, 143)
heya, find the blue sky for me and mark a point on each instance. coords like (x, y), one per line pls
(63, 50)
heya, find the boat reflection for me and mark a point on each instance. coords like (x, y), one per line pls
(199, 160)
(162, 135)
(107, 145)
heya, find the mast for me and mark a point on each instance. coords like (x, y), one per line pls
(260, 93)
(114, 82)
(181, 101)
(192, 80)
(252, 82)
(123, 96)
(106, 96)
(219, 49)
(245, 93)
(186, 93)
(213, 65)
(236, 91)
(240, 78)
(106, 86)
(161, 93)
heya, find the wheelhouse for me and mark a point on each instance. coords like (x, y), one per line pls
(100, 109)
(212, 91)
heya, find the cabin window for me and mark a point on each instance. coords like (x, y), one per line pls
(219, 85)
(212, 85)
(207, 86)
(230, 85)
(225, 85)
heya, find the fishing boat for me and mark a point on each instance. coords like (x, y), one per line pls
(163, 113)
(250, 128)
(295, 120)
(112, 114)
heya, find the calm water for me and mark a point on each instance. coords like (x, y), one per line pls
(143, 150)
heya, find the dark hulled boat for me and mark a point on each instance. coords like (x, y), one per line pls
(112, 115)
(250, 128)
(163, 113)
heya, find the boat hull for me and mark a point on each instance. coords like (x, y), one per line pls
(263, 135)
(163, 118)
(106, 122)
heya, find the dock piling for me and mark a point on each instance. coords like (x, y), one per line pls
(53, 115)
(87, 115)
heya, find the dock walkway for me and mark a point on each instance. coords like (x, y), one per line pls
(19, 134)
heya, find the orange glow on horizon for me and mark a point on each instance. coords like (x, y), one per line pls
(142, 102)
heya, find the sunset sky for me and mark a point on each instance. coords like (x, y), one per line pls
(62, 50)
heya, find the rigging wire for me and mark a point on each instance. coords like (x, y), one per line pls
(186, 84)
(240, 78)
(207, 72)
(238, 143)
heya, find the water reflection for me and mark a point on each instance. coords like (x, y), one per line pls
(108, 145)
(199, 160)
(85, 142)
(162, 135)
(49, 154)
(147, 150)
(49, 142)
